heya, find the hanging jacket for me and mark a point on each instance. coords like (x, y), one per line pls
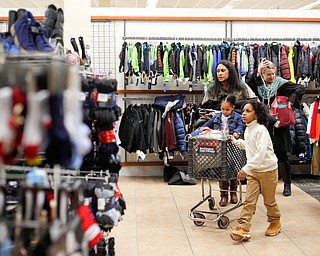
(209, 63)
(177, 58)
(159, 64)
(131, 130)
(225, 48)
(275, 53)
(180, 133)
(146, 58)
(291, 65)
(244, 62)
(193, 62)
(182, 62)
(165, 62)
(251, 62)
(284, 63)
(168, 136)
(298, 133)
(122, 56)
(297, 62)
(256, 55)
(172, 60)
(263, 50)
(306, 69)
(150, 127)
(135, 59)
(187, 61)
(204, 66)
(153, 59)
(199, 62)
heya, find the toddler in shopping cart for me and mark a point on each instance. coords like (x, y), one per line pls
(261, 171)
(228, 121)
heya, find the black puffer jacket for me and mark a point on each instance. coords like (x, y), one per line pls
(131, 131)
(298, 133)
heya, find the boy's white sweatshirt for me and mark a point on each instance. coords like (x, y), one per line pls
(259, 149)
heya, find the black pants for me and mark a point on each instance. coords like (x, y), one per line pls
(284, 166)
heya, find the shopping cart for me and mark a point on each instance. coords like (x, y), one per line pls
(213, 159)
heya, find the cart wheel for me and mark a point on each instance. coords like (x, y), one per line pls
(223, 222)
(200, 216)
(211, 203)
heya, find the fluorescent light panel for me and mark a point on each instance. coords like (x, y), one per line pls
(309, 6)
(231, 4)
(152, 4)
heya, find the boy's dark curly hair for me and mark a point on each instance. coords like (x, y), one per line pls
(260, 109)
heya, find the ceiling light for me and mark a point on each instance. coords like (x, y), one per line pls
(231, 4)
(151, 4)
(309, 6)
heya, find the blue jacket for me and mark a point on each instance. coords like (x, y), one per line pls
(235, 123)
(180, 134)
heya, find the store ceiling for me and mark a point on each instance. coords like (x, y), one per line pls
(206, 4)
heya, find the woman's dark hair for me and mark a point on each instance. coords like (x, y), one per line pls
(230, 98)
(233, 79)
(260, 110)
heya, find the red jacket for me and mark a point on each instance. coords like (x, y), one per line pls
(284, 63)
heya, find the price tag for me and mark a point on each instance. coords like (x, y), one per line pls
(101, 203)
(103, 97)
(82, 96)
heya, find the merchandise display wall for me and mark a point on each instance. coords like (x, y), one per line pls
(206, 32)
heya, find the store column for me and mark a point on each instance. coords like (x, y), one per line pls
(77, 22)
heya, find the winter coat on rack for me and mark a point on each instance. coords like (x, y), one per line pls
(297, 62)
(275, 51)
(159, 66)
(307, 65)
(150, 125)
(131, 130)
(168, 137)
(284, 62)
(298, 133)
(291, 65)
(144, 120)
(180, 133)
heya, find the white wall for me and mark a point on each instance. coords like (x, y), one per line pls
(77, 21)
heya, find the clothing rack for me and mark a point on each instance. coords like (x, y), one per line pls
(40, 58)
(137, 98)
(187, 98)
(220, 38)
(47, 170)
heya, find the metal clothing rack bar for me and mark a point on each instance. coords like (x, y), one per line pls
(221, 39)
(275, 39)
(174, 38)
(137, 98)
(47, 170)
(40, 58)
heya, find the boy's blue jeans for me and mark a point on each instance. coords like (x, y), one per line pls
(266, 184)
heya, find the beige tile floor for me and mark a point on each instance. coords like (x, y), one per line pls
(156, 222)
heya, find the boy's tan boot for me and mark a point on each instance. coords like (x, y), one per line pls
(239, 234)
(274, 228)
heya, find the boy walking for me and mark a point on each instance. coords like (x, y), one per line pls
(261, 171)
